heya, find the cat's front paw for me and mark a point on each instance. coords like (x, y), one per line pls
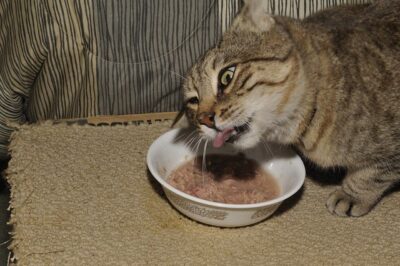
(341, 204)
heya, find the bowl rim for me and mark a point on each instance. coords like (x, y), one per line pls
(165, 184)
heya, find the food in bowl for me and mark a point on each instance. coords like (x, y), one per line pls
(232, 179)
(170, 151)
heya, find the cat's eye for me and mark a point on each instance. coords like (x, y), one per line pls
(226, 76)
(193, 100)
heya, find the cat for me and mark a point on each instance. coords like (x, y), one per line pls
(328, 84)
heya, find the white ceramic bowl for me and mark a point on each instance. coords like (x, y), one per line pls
(170, 151)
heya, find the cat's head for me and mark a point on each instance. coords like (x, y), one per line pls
(245, 87)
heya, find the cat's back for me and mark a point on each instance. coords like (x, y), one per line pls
(360, 46)
(364, 36)
(346, 27)
(383, 12)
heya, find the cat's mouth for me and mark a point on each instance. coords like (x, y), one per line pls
(230, 135)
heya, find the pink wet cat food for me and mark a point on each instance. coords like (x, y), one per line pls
(225, 178)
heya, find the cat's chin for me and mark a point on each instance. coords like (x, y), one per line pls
(246, 141)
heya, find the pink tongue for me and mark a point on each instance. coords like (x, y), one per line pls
(222, 137)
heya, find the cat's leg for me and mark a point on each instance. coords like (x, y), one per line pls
(361, 190)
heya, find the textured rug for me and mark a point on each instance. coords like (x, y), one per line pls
(82, 195)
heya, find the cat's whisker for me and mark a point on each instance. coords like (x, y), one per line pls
(197, 150)
(267, 147)
(203, 166)
(198, 144)
(186, 136)
(191, 141)
(178, 75)
(196, 147)
(190, 135)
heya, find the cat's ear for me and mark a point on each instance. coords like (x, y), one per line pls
(256, 12)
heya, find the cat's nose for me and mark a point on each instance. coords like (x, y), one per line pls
(207, 119)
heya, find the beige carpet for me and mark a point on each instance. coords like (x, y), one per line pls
(82, 195)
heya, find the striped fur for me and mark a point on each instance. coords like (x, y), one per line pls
(328, 84)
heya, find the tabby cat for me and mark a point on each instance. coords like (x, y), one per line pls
(328, 84)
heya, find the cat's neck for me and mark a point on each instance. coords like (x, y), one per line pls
(315, 56)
